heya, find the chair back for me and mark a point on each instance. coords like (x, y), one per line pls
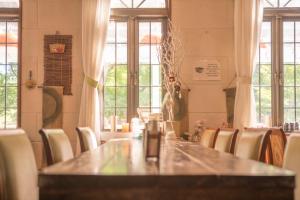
(87, 139)
(252, 144)
(18, 169)
(207, 138)
(291, 159)
(57, 145)
(225, 140)
(275, 148)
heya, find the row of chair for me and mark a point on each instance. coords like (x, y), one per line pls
(58, 147)
(18, 170)
(266, 145)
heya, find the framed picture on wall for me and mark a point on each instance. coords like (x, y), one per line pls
(207, 70)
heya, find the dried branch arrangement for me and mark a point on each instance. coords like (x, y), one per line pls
(171, 55)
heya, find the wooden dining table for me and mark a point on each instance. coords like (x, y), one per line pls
(118, 170)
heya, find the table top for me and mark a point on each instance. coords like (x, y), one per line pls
(122, 162)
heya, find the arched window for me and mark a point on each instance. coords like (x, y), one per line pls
(133, 74)
(277, 74)
(9, 63)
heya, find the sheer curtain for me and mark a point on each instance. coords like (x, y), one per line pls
(95, 20)
(248, 16)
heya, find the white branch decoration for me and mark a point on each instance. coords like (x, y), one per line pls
(171, 58)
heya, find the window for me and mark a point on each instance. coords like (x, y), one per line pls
(9, 63)
(276, 80)
(132, 69)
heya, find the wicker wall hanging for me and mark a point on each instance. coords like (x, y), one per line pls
(58, 62)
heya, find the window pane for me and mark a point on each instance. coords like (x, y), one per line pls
(297, 31)
(154, 54)
(121, 95)
(2, 98)
(156, 32)
(12, 32)
(2, 54)
(122, 116)
(144, 97)
(108, 112)
(122, 32)
(121, 75)
(12, 55)
(289, 97)
(265, 97)
(265, 53)
(110, 76)
(12, 75)
(121, 53)
(154, 4)
(109, 54)
(11, 118)
(298, 97)
(121, 4)
(11, 97)
(288, 50)
(156, 75)
(266, 115)
(289, 115)
(144, 54)
(298, 75)
(266, 32)
(265, 75)
(144, 75)
(293, 3)
(111, 32)
(289, 75)
(144, 32)
(156, 97)
(288, 32)
(109, 97)
(270, 3)
(298, 53)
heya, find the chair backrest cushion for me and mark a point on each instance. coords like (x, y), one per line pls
(60, 146)
(249, 144)
(207, 138)
(292, 161)
(87, 138)
(18, 166)
(224, 141)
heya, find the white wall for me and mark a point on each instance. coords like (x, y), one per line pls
(42, 17)
(206, 29)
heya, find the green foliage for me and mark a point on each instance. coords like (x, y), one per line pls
(8, 95)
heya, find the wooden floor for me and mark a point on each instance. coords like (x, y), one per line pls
(118, 170)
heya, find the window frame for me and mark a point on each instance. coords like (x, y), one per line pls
(277, 16)
(133, 16)
(15, 14)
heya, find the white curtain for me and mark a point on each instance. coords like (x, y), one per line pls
(248, 16)
(95, 20)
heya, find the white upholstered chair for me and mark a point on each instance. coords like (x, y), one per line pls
(87, 139)
(252, 144)
(17, 166)
(207, 138)
(292, 161)
(225, 140)
(57, 145)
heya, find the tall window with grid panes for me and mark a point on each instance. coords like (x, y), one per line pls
(276, 80)
(132, 77)
(9, 63)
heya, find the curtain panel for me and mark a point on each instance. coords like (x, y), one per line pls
(248, 17)
(95, 20)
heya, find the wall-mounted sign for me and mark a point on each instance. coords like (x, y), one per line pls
(207, 70)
